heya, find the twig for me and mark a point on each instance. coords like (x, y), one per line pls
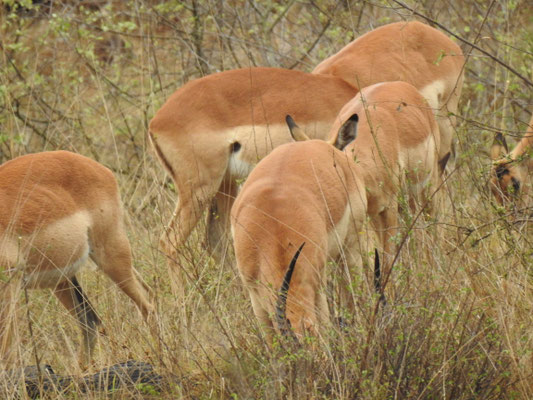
(494, 58)
(30, 327)
(310, 49)
(280, 17)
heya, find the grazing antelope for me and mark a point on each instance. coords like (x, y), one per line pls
(397, 146)
(312, 192)
(211, 132)
(302, 192)
(511, 172)
(58, 209)
(412, 52)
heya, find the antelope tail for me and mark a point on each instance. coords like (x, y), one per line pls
(84, 309)
(377, 277)
(281, 304)
(161, 155)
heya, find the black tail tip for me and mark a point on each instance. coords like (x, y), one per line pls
(281, 304)
(235, 147)
(377, 268)
(290, 122)
(377, 278)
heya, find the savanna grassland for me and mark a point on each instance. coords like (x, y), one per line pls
(88, 76)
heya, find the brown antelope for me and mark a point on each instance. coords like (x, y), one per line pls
(212, 131)
(59, 209)
(412, 52)
(302, 192)
(511, 172)
(312, 192)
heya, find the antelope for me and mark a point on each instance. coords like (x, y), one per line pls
(321, 193)
(301, 192)
(511, 172)
(211, 132)
(58, 210)
(412, 52)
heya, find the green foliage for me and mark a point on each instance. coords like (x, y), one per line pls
(88, 78)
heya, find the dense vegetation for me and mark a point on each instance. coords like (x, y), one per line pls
(88, 76)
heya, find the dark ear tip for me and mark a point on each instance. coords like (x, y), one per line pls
(444, 161)
(354, 118)
(290, 121)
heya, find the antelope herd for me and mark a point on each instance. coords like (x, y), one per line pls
(211, 132)
(323, 152)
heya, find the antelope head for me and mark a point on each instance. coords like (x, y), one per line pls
(509, 170)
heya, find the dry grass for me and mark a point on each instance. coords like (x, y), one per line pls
(459, 320)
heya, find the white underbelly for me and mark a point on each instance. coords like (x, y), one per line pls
(51, 254)
(51, 277)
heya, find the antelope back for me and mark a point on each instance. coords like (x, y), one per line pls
(396, 127)
(245, 107)
(411, 51)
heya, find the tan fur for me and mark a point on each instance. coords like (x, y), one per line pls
(195, 130)
(411, 52)
(514, 168)
(58, 209)
(397, 145)
(193, 133)
(301, 192)
(311, 192)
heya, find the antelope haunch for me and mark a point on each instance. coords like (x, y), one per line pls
(59, 209)
(511, 172)
(212, 131)
(411, 52)
(312, 192)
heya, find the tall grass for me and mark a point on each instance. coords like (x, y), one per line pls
(458, 322)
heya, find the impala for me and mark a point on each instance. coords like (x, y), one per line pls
(211, 132)
(313, 192)
(59, 209)
(412, 52)
(302, 192)
(511, 172)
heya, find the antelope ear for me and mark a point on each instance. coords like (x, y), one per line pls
(498, 146)
(296, 132)
(347, 133)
